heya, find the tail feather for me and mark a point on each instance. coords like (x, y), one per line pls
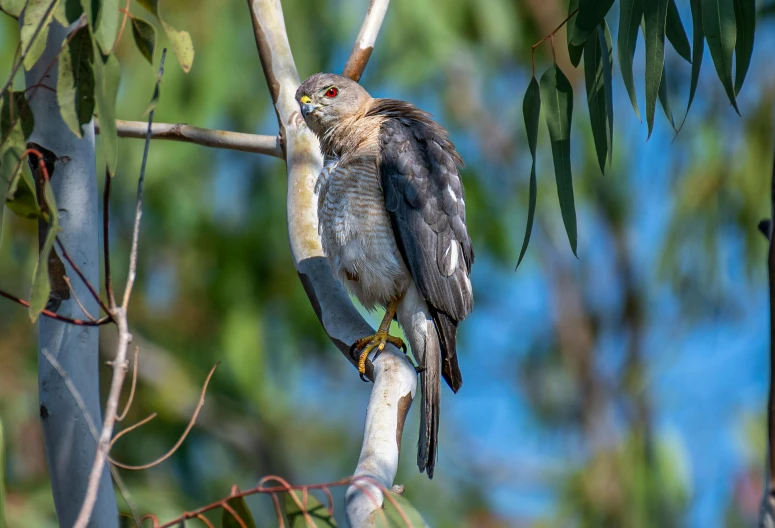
(427, 445)
(447, 331)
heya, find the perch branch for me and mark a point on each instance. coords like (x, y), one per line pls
(364, 44)
(223, 139)
(394, 376)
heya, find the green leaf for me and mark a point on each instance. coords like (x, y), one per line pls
(597, 52)
(654, 16)
(719, 26)
(107, 77)
(2, 463)
(107, 25)
(20, 197)
(664, 99)
(41, 285)
(531, 110)
(698, 38)
(574, 52)
(606, 43)
(34, 32)
(16, 120)
(630, 15)
(181, 42)
(745, 17)
(240, 508)
(675, 32)
(145, 37)
(591, 14)
(75, 86)
(317, 515)
(557, 100)
(73, 10)
(12, 7)
(399, 513)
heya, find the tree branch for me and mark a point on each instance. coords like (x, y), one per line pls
(223, 139)
(767, 512)
(364, 44)
(394, 376)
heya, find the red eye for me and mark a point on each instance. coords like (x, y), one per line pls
(332, 92)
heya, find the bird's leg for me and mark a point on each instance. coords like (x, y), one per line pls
(378, 340)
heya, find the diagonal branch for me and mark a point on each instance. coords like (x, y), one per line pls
(364, 44)
(223, 139)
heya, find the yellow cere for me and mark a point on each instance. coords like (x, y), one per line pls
(305, 99)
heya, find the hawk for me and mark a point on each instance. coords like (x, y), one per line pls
(392, 221)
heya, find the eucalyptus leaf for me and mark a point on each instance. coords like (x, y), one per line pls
(12, 7)
(41, 284)
(606, 43)
(698, 38)
(76, 85)
(719, 26)
(674, 29)
(107, 79)
(630, 15)
(311, 514)
(654, 17)
(664, 99)
(591, 14)
(239, 507)
(557, 101)
(531, 110)
(596, 52)
(20, 197)
(34, 31)
(144, 34)
(745, 17)
(107, 25)
(398, 513)
(181, 42)
(574, 51)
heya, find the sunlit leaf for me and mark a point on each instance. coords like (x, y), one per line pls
(591, 14)
(399, 513)
(557, 101)
(674, 30)
(34, 31)
(719, 26)
(654, 17)
(698, 39)
(41, 285)
(145, 37)
(745, 17)
(531, 110)
(596, 52)
(664, 99)
(107, 25)
(241, 509)
(12, 7)
(181, 42)
(107, 77)
(75, 86)
(316, 515)
(574, 51)
(630, 15)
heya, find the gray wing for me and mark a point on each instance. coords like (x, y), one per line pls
(424, 195)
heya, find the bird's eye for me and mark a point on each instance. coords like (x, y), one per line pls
(332, 92)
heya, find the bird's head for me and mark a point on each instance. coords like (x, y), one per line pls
(325, 99)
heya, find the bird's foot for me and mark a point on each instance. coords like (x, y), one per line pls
(369, 343)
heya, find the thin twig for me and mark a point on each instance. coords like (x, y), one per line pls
(130, 429)
(53, 315)
(767, 513)
(123, 23)
(80, 274)
(221, 139)
(182, 437)
(77, 300)
(130, 281)
(106, 239)
(204, 520)
(548, 37)
(225, 506)
(364, 44)
(128, 404)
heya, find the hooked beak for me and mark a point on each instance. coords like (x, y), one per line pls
(307, 107)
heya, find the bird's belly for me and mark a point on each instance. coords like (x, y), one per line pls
(359, 242)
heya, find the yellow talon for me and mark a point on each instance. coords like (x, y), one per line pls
(378, 340)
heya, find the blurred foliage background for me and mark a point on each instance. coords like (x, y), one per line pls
(622, 388)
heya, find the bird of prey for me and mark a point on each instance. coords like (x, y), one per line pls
(392, 221)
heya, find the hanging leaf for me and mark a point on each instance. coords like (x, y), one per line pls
(145, 37)
(531, 110)
(73, 10)
(674, 29)
(240, 508)
(591, 14)
(698, 38)
(557, 100)
(654, 18)
(41, 285)
(12, 7)
(718, 24)
(316, 516)
(630, 15)
(181, 42)
(20, 197)
(16, 120)
(107, 77)
(34, 31)
(107, 25)
(574, 51)
(596, 52)
(75, 86)
(664, 99)
(606, 43)
(745, 17)
(399, 513)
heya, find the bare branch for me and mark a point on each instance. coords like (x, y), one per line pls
(364, 44)
(129, 400)
(223, 139)
(80, 274)
(53, 315)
